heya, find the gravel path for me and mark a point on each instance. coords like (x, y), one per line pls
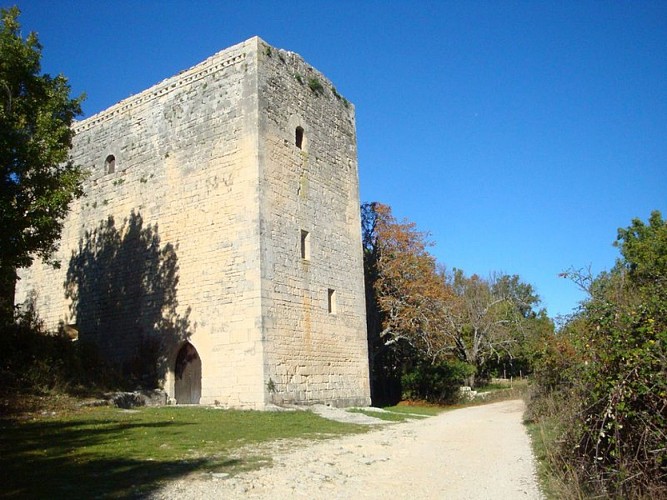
(480, 452)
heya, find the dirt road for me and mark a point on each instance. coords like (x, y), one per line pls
(480, 452)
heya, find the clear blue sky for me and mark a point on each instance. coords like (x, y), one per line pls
(521, 135)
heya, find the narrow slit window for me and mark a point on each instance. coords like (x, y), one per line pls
(305, 245)
(331, 301)
(299, 137)
(110, 164)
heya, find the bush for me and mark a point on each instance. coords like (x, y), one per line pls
(435, 383)
(612, 376)
(621, 433)
(315, 85)
(34, 361)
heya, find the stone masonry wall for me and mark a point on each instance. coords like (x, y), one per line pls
(311, 354)
(194, 234)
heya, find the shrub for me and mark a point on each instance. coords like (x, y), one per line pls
(611, 375)
(315, 85)
(35, 361)
(435, 383)
(620, 437)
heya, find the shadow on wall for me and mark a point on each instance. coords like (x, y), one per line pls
(123, 284)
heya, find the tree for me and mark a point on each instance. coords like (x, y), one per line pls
(644, 251)
(486, 320)
(421, 319)
(615, 368)
(38, 179)
(403, 296)
(521, 295)
(625, 380)
(407, 287)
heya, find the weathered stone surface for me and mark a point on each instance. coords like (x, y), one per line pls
(221, 210)
(137, 398)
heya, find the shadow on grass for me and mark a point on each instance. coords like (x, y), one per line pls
(75, 459)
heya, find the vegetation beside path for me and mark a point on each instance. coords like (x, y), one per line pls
(87, 452)
(109, 452)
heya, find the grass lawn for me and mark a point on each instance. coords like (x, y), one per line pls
(113, 453)
(401, 412)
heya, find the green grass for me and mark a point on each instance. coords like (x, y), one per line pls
(543, 435)
(401, 413)
(388, 416)
(517, 383)
(428, 411)
(111, 453)
(559, 480)
(493, 387)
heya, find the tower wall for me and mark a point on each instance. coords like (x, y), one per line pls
(313, 353)
(194, 236)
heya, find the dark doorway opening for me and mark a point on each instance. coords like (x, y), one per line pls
(187, 386)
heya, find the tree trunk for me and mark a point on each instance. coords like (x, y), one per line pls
(7, 291)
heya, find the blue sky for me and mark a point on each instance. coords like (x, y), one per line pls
(521, 135)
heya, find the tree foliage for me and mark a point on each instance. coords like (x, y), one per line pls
(38, 180)
(402, 288)
(423, 321)
(615, 370)
(487, 319)
(644, 251)
(408, 290)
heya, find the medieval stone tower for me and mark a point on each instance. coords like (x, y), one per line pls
(217, 249)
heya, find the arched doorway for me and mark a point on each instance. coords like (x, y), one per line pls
(187, 386)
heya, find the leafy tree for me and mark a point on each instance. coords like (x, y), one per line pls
(38, 180)
(421, 320)
(621, 440)
(644, 251)
(404, 292)
(614, 371)
(486, 319)
(521, 295)
(536, 332)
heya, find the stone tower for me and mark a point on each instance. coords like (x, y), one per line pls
(217, 249)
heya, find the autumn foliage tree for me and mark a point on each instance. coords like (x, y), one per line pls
(404, 298)
(420, 317)
(407, 287)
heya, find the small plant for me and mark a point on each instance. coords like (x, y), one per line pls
(267, 51)
(315, 85)
(118, 182)
(143, 180)
(346, 103)
(299, 78)
(271, 386)
(105, 202)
